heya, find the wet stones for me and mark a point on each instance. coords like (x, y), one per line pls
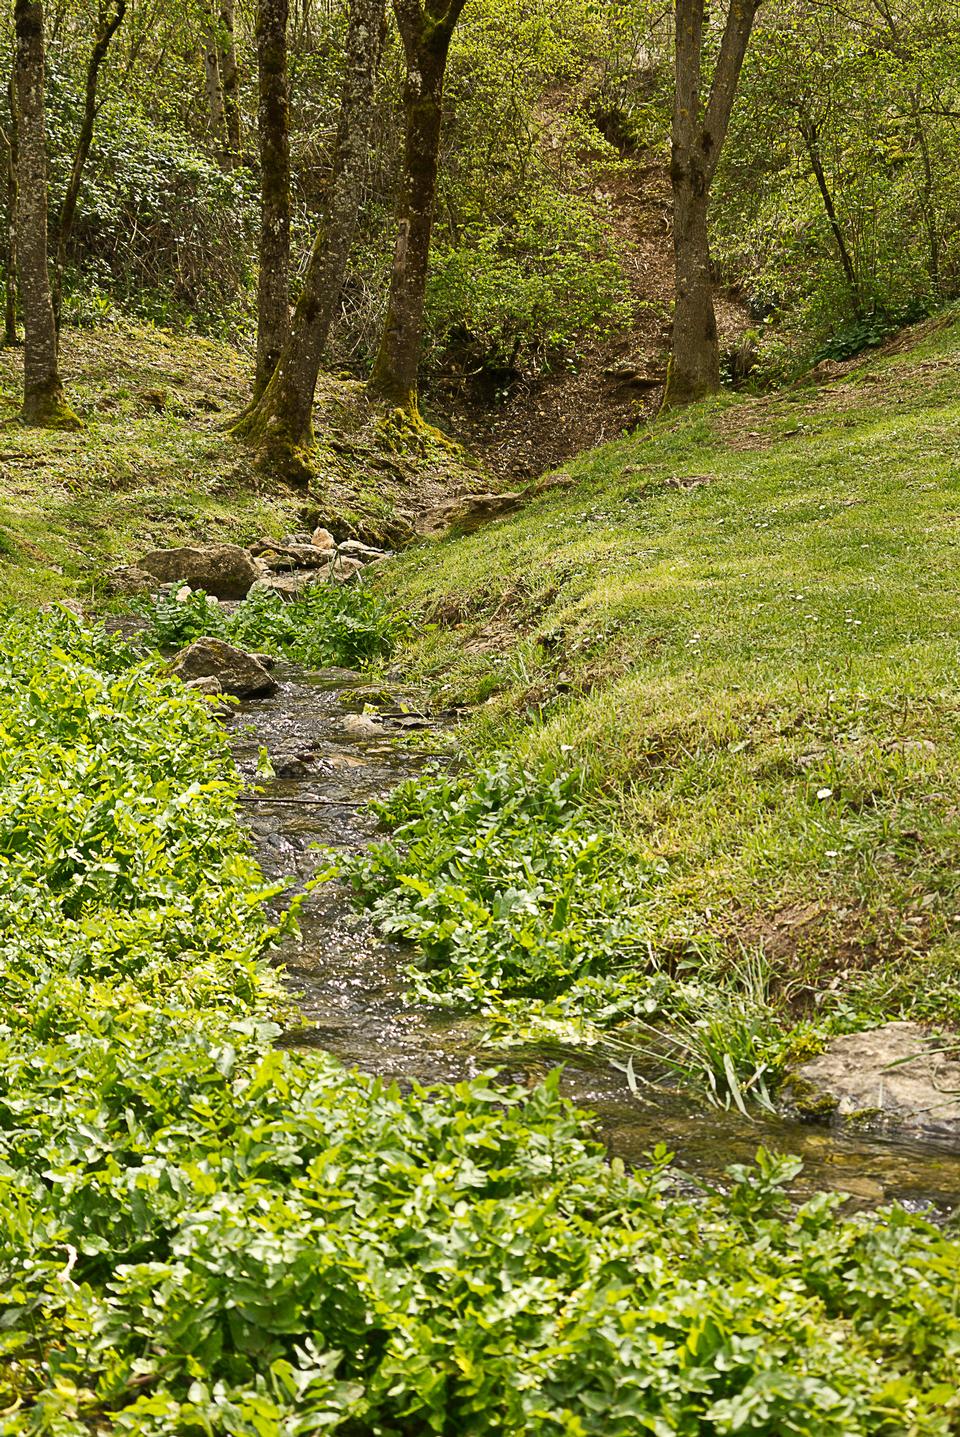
(897, 1079)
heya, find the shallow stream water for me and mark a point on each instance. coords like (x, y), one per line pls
(351, 987)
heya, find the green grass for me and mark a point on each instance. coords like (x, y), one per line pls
(757, 674)
(136, 477)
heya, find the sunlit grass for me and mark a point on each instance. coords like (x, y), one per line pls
(758, 673)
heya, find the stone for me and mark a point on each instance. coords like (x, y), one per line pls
(322, 539)
(210, 686)
(275, 555)
(291, 585)
(362, 725)
(290, 766)
(130, 580)
(344, 569)
(897, 1079)
(353, 549)
(239, 673)
(298, 539)
(224, 570)
(466, 513)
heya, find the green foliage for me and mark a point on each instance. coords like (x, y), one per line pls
(528, 291)
(504, 884)
(868, 95)
(329, 625)
(523, 903)
(202, 1233)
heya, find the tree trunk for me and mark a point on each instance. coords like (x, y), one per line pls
(229, 82)
(216, 114)
(10, 264)
(697, 141)
(282, 418)
(426, 35)
(695, 356)
(109, 25)
(273, 286)
(44, 402)
(811, 139)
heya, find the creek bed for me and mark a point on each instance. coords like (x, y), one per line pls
(351, 986)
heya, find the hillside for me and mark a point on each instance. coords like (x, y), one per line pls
(742, 624)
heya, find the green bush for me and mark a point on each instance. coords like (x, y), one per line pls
(331, 624)
(203, 1234)
(530, 291)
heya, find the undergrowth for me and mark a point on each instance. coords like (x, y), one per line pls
(203, 1234)
(329, 625)
(524, 905)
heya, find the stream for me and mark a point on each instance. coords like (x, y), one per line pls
(350, 983)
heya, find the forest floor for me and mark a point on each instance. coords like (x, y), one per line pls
(155, 466)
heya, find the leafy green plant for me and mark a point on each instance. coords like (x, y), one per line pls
(200, 1232)
(504, 884)
(331, 624)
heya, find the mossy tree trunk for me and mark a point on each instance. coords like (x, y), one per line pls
(110, 19)
(273, 286)
(426, 31)
(281, 418)
(697, 141)
(44, 402)
(10, 258)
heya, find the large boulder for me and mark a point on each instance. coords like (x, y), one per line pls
(224, 570)
(238, 673)
(896, 1079)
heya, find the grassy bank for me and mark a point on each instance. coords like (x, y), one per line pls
(150, 468)
(202, 1234)
(154, 465)
(741, 627)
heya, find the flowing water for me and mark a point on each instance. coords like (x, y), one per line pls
(350, 982)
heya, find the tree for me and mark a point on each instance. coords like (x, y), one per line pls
(213, 84)
(44, 401)
(426, 31)
(110, 18)
(10, 258)
(273, 285)
(229, 82)
(698, 135)
(282, 418)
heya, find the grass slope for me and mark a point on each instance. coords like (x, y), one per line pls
(742, 623)
(150, 467)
